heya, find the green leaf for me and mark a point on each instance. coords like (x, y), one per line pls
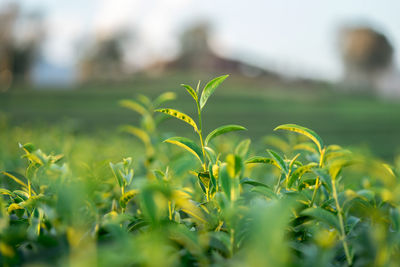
(165, 97)
(258, 159)
(213, 179)
(210, 88)
(15, 178)
(226, 182)
(148, 205)
(35, 156)
(212, 156)
(22, 194)
(204, 178)
(323, 216)
(252, 182)
(117, 174)
(336, 166)
(28, 147)
(191, 91)
(198, 87)
(304, 131)
(299, 172)
(265, 191)
(395, 219)
(179, 115)
(14, 206)
(221, 242)
(4, 191)
(222, 130)
(160, 175)
(136, 225)
(279, 160)
(293, 162)
(123, 171)
(357, 202)
(34, 223)
(325, 178)
(187, 144)
(243, 147)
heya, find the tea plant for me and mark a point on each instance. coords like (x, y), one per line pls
(304, 204)
(206, 178)
(147, 132)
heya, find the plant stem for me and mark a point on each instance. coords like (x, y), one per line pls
(321, 159)
(170, 210)
(315, 192)
(201, 136)
(122, 195)
(232, 239)
(29, 188)
(277, 187)
(343, 233)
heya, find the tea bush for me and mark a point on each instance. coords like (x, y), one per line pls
(209, 200)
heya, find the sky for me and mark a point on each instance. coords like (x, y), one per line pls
(299, 38)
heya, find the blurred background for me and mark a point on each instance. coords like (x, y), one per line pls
(332, 67)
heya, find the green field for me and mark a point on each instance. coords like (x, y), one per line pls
(77, 189)
(258, 104)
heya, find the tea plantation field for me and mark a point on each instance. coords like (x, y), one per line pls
(255, 103)
(232, 172)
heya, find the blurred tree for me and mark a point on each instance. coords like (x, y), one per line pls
(103, 59)
(367, 54)
(20, 40)
(197, 55)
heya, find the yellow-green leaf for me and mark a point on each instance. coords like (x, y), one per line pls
(6, 192)
(264, 160)
(167, 96)
(179, 115)
(191, 91)
(182, 200)
(14, 206)
(187, 144)
(304, 131)
(133, 106)
(307, 146)
(125, 198)
(14, 178)
(299, 172)
(145, 100)
(139, 133)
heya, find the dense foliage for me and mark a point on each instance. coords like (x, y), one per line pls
(181, 201)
